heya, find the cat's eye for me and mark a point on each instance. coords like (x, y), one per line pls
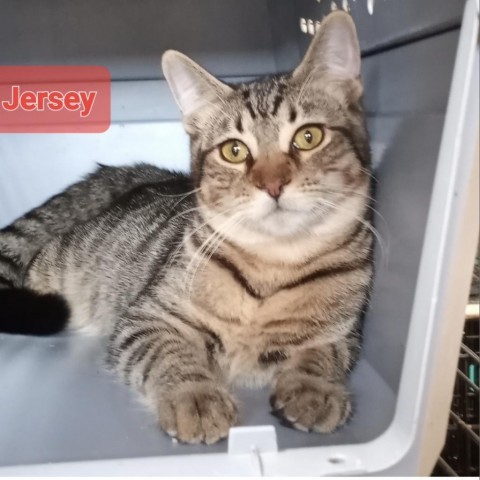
(234, 151)
(308, 137)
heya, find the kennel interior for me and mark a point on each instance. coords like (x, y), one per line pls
(61, 413)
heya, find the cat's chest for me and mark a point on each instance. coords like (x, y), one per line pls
(245, 356)
(260, 332)
(257, 334)
(236, 299)
(250, 356)
(231, 308)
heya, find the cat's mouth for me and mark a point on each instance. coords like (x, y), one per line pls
(286, 212)
(284, 206)
(287, 216)
(281, 209)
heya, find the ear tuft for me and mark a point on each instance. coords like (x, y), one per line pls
(191, 85)
(334, 49)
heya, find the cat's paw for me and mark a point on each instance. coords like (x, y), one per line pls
(311, 403)
(199, 413)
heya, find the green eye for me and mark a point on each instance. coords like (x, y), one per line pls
(308, 137)
(234, 151)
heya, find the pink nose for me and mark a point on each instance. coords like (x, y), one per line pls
(274, 188)
(271, 174)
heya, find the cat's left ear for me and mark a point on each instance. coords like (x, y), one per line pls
(191, 85)
(334, 52)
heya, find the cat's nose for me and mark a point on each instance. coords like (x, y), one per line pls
(275, 187)
(271, 174)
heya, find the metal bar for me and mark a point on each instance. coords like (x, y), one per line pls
(466, 379)
(401, 43)
(447, 468)
(470, 353)
(467, 428)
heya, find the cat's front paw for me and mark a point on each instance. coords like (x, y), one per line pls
(310, 403)
(198, 413)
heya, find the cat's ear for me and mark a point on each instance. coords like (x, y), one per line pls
(191, 85)
(334, 50)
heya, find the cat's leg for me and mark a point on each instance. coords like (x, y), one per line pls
(309, 391)
(172, 365)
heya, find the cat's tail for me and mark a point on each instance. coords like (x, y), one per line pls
(22, 310)
(25, 312)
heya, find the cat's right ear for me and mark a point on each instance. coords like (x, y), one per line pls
(334, 55)
(191, 85)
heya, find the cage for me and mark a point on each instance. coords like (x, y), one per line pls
(62, 414)
(460, 455)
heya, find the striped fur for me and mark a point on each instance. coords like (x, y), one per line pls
(205, 280)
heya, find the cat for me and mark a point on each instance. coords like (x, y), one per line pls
(253, 269)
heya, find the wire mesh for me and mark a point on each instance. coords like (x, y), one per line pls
(460, 455)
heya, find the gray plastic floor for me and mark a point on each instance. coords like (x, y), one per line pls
(57, 403)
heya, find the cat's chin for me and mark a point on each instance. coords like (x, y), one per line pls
(285, 223)
(283, 219)
(280, 224)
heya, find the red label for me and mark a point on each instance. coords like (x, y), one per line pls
(54, 99)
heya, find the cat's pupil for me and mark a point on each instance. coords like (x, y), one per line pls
(308, 136)
(235, 149)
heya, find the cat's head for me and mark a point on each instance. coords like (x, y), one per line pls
(282, 155)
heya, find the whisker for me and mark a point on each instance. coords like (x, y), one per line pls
(323, 191)
(306, 83)
(221, 239)
(191, 192)
(346, 194)
(212, 242)
(212, 246)
(384, 245)
(186, 237)
(209, 239)
(180, 201)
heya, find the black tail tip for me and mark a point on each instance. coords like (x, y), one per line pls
(25, 312)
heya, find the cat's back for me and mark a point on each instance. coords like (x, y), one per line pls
(104, 263)
(136, 217)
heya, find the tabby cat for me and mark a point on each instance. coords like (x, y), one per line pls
(254, 269)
